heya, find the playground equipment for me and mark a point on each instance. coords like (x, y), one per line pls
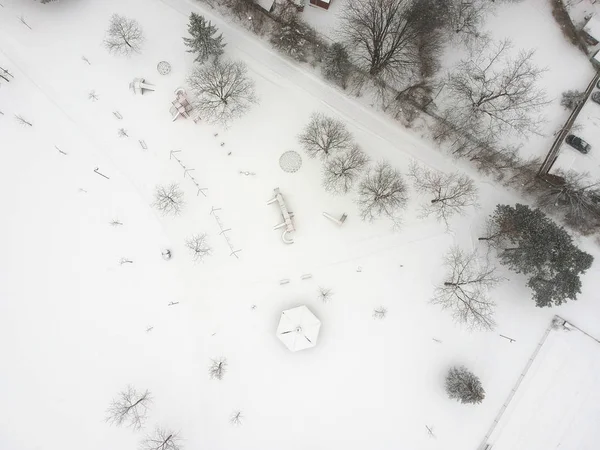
(287, 217)
(139, 85)
(182, 107)
(339, 221)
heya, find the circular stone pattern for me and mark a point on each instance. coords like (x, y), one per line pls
(290, 161)
(163, 67)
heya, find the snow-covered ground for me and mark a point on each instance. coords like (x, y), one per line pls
(77, 326)
(529, 25)
(556, 404)
(587, 127)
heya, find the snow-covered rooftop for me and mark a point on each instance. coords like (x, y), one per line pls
(265, 4)
(592, 27)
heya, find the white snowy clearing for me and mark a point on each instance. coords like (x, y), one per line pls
(556, 404)
(88, 307)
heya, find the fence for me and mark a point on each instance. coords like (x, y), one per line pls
(187, 173)
(484, 444)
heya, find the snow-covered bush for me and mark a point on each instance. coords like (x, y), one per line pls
(464, 386)
(571, 99)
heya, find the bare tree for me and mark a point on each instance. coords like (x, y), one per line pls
(236, 418)
(493, 93)
(20, 119)
(161, 439)
(124, 36)
(129, 408)
(465, 289)
(381, 36)
(575, 196)
(325, 294)
(198, 246)
(169, 199)
(465, 18)
(324, 136)
(451, 192)
(217, 368)
(223, 90)
(341, 171)
(380, 313)
(382, 193)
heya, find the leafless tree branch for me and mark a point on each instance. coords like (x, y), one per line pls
(124, 36)
(492, 92)
(382, 192)
(341, 171)
(381, 36)
(217, 368)
(324, 136)
(325, 294)
(169, 199)
(573, 195)
(198, 246)
(236, 418)
(129, 408)
(161, 439)
(223, 90)
(465, 289)
(451, 193)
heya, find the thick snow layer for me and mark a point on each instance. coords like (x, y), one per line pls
(556, 405)
(77, 326)
(587, 127)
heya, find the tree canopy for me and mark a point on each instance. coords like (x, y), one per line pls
(530, 243)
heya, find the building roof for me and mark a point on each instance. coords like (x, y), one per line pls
(265, 4)
(592, 27)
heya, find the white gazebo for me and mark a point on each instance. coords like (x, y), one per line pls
(298, 328)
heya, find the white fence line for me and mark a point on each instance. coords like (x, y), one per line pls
(484, 444)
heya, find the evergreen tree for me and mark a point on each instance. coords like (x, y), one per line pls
(293, 37)
(204, 41)
(464, 386)
(530, 243)
(336, 64)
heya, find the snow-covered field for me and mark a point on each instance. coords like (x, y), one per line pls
(77, 326)
(556, 404)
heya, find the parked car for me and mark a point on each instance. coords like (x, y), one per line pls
(596, 97)
(578, 143)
